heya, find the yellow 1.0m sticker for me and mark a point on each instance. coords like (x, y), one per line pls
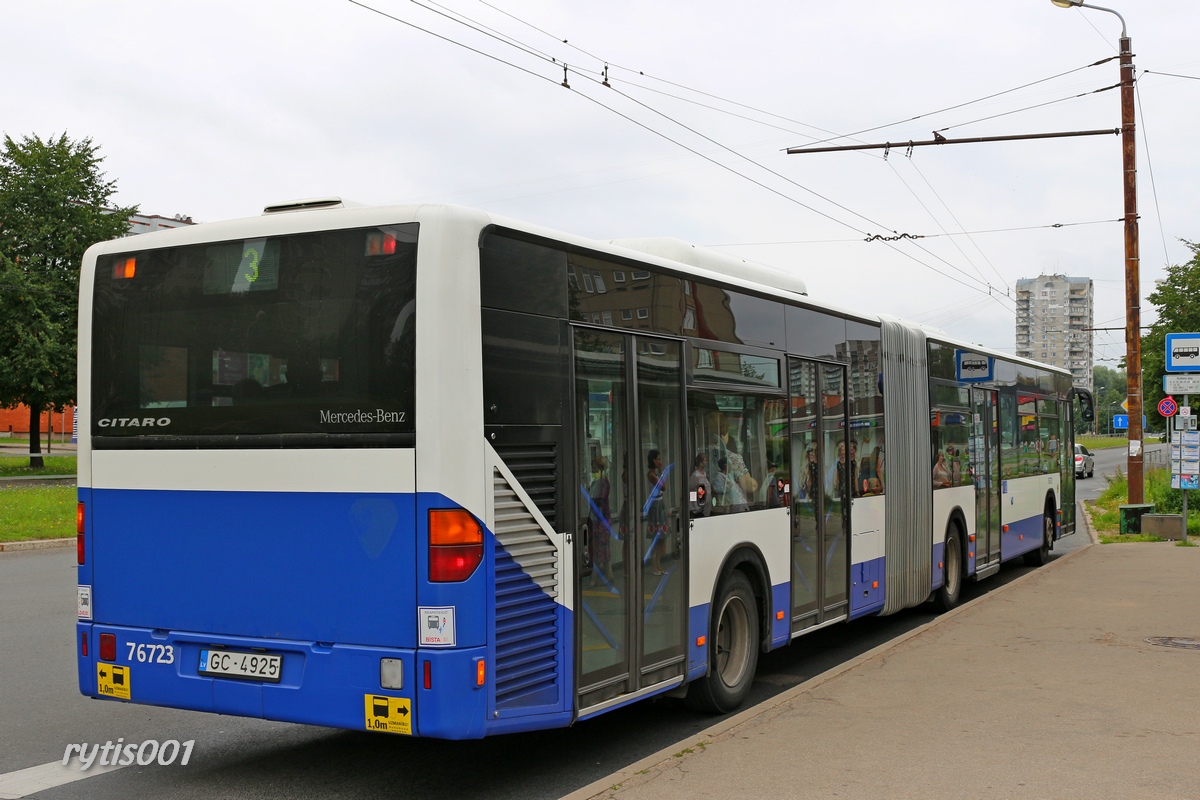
(112, 680)
(388, 714)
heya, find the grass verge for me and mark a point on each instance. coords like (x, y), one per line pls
(37, 512)
(1106, 510)
(1101, 442)
(18, 467)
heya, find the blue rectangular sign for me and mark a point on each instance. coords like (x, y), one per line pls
(973, 368)
(1121, 422)
(1183, 352)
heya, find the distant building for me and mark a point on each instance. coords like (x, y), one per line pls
(1054, 323)
(148, 223)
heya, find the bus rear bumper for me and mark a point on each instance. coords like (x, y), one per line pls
(336, 685)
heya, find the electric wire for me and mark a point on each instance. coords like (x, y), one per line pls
(963, 105)
(923, 236)
(1171, 74)
(625, 116)
(932, 216)
(961, 228)
(834, 136)
(1029, 108)
(984, 283)
(451, 41)
(1150, 168)
(504, 39)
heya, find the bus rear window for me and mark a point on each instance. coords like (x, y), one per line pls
(310, 334)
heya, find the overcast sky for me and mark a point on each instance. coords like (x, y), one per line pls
(214, 109)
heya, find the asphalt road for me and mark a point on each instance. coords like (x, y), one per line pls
(41, 712)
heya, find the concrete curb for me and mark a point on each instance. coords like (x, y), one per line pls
(35, 544)
(611, 785)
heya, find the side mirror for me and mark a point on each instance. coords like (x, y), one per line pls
(1087, 404)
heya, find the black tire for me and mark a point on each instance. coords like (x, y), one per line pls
(1036, 558)
(1092, 472)
(733, 644)
(947, 596)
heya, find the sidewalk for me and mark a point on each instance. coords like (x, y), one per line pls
(1044, 688)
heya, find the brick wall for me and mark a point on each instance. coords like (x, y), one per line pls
(17, 421)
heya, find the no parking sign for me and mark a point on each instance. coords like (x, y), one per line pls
(1167, 406)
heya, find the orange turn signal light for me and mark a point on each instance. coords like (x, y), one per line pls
(125, 268)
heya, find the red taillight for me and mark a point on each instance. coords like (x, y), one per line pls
(108, 647)
(455, 545)
(83, 644)
(79, 514)
(381, 244)
(428, 676)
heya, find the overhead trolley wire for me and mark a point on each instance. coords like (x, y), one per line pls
(922, 235)
(471, 24)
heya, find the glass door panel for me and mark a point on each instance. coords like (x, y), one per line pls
(841, 486)
(602, 409)
(662, 480)
(808, 505)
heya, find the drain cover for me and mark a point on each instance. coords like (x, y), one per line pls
(1184, 642)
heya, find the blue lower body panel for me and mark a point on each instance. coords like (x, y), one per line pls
(1020, 537)
(318, 684)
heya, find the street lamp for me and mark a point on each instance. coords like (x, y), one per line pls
(1133, 311)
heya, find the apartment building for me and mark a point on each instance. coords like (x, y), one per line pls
(1054, 323)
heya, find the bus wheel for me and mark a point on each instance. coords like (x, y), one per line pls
(947, 596)
(732, 649)
(1036, 558)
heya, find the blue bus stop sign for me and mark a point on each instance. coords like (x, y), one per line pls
(1183, 352)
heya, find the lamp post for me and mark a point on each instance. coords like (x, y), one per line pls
(1133, 311)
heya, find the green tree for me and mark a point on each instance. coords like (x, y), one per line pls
(54, 204)
(1177, 299)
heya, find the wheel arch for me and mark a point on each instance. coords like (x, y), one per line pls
(1051, 508)
(748, 559)
(956, 525)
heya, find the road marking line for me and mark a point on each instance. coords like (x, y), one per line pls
(24, 782)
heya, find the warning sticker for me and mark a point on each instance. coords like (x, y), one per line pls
(112, 680)
(388, 714)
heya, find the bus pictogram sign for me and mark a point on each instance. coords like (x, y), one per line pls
(1167, 406)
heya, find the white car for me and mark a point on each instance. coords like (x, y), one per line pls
(1085, 462)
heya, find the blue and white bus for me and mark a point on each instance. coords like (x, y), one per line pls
(428, 471)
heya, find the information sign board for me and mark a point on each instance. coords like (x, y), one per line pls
(1181, 384)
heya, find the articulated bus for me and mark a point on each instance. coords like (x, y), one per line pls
(427, 471)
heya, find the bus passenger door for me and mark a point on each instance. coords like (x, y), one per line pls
(632, 487)
(985, 471)
(821, 493)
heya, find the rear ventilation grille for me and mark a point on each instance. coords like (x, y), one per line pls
(527, 641)
(535, 466)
